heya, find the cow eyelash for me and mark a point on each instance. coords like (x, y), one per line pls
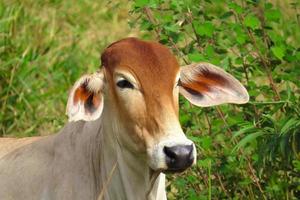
(124, 84)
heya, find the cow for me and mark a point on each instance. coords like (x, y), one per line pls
(123, 133)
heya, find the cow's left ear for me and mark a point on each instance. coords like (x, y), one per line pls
(85, 100)
(204, 84)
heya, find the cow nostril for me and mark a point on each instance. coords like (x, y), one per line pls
(169, 151)
(179, 157)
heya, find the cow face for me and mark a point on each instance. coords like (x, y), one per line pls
(138, 87)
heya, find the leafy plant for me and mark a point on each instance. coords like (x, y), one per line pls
(249, 151)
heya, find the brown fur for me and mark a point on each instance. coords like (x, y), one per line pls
(155, 68)
(81, 94)
(204, 82)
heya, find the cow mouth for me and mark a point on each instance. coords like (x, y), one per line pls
(171, 170)
(174, 171)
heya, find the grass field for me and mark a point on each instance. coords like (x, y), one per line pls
(44, 47)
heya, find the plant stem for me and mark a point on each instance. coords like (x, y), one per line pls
(222, 185)
(263, 60)
(209, 180)
(265, 64)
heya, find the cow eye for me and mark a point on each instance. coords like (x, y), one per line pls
(124, 84)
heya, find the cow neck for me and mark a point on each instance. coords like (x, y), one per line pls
(123, 174)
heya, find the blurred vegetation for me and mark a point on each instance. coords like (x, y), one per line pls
(250, 151)
(245, 152)
(45, 46)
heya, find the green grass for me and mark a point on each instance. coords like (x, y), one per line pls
(44, 47)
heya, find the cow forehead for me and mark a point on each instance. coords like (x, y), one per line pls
(150, 62)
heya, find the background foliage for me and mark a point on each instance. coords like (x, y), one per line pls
(245, 152)
(45, 46)
(249, 151)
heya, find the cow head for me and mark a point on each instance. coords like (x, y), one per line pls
(138, 88)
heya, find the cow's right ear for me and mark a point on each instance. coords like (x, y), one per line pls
(85, 101)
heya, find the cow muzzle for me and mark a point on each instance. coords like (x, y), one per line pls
(172, 155)
(179, 157)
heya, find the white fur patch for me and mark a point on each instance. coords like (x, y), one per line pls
(173, 136)
(95, 82)
(157, 155)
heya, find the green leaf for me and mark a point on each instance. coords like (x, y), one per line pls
(205, 29)
(172, 28)
(252, 22)
(296, 164)
(192, 195)
(209, 51)
(141, 3)
(195, 139)
(290, 124)
(249, 138)
(184, 119)
(237, 8)
(275, 37)
(272, 15)
(196, 57)
(180, 182)
(204, 163)
(278, 51)
(268, 6)
(249, 128)
(241, 38)
(226, 15)
(206, 143)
